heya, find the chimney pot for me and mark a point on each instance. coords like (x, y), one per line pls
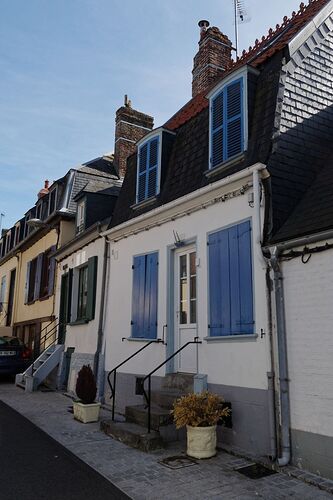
(203, 25)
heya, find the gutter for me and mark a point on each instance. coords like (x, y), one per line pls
(284, 459)
(303, 240)
(180, 201)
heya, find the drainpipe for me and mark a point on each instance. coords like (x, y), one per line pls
(284, 459)
(99, 357)
(263, 260)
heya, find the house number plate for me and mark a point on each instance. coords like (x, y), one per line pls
(7, 353)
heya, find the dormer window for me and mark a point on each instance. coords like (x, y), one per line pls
(148, 170)
(80, 216)
(228, 120)
(52, 200)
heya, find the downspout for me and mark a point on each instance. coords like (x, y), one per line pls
(99, 358)
(263, 260)
(284, 459)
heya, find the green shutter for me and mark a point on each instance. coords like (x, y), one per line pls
(92, 278)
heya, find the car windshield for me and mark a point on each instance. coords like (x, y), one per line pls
(10, 341)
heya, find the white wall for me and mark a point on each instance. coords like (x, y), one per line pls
(309, 318)
(238, 362)
(83, 337)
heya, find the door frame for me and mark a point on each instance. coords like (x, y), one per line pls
(170, 312)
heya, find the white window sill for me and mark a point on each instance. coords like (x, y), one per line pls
(140, 339)
(233, 338)
(144, 203)
(220, 168)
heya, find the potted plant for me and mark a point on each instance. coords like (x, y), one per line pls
(200, 414)
(86, 409)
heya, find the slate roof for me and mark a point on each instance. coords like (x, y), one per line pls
(314, 213)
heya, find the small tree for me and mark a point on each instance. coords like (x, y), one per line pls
(86, 385)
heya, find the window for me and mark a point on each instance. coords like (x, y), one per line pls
(8, 241)
(2, 294)
(40, 276)
(144, 296)
(227, 123)
(52, 200)
(187, 288)
(230, 281)
(83, 292)
(80, 217)
(147, 170)
(39, 211)
(26, 227)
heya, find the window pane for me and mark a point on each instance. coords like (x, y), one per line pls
(183, 289)
(83, 293)
(193, 269)
(193, 313)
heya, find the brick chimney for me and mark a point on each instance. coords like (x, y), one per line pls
(212, 58)
(131, 126)
(44, 190)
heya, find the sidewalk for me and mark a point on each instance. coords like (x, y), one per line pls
(140, 475)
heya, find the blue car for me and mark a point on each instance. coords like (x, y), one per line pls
(15, 357)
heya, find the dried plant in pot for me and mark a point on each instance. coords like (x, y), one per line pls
(200, 414)
(86, 409)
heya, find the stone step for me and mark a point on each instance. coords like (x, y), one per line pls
(133, 435)
(165, 397)
(139, 415)
(20, 384)
(181, 381)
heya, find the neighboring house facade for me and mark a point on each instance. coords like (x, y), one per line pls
(200, 197)
(83, 261)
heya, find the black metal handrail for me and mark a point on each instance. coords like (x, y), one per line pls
(148, 396)
(114, 371)
(44, 338)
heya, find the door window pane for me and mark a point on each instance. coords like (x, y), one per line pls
(83, 293)
(193, 288)
(183, 285)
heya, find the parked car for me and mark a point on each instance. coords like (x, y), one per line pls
(15, 356)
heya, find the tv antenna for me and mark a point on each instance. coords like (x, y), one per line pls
(241, 16)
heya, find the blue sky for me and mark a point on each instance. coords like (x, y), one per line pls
(66, 65)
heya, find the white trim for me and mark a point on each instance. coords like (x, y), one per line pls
(124, 139)
(238, 73)
(182, 200)
(157, 132)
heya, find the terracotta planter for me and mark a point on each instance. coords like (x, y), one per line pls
(86, 413)
(201, 441)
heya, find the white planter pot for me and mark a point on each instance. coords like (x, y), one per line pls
(201, 441)
(86, 413)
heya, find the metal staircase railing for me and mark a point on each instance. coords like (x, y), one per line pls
(43, 339)
(114, 371)
(148, 396)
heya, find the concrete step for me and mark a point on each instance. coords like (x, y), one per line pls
(139, 415)
(165, 397)
(133, 435)
(20, 384)
(180, 381)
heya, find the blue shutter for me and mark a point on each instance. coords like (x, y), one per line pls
(151, 296)
(142, 173)
(230, 281)
(217, 121)
(152, 168)
(246, 323)
(138, 295)
(234, 119)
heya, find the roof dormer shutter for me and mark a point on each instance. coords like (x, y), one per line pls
(148, 170)
(234, 107)
(143, 156)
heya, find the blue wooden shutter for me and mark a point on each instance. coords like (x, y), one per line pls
(152, 168)
(217, 124)
(142, 173)
(230, 281)
(246, 322)
(150, 315)
(92, 279)
(234, 119)
(138, 296)
(51, 275)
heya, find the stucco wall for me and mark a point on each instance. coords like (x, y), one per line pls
(83, 337)
(238, 362)
(40, 308)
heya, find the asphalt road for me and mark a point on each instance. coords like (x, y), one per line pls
(33, 466)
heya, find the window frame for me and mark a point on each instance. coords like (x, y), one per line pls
(51, 191)
(240, 75)
(79, 313)
(80, 226)
(155, 134)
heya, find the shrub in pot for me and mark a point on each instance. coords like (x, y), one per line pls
(86, 409)
(200, 414)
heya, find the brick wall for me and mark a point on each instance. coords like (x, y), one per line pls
(131, 126)
(213, 57)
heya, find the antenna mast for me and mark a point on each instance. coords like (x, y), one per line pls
(241, 16)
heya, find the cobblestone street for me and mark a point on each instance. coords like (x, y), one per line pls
(140, 475)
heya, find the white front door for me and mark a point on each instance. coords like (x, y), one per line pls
(186, 309)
